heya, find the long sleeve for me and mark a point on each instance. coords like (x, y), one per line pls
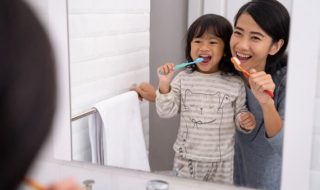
(277, 141)
(240, 107)
(168, 105)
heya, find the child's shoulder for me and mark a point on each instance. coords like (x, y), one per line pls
(232, 78)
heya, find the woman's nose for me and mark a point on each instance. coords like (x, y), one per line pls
(243, 44)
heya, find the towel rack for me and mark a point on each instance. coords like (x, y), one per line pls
(84, 114)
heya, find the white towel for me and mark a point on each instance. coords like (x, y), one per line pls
(123, 144)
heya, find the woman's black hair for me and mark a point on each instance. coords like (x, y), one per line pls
(27, 90)
(274, 19)
(221, 28)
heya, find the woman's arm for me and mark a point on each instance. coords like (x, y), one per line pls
(259, 82)
(272, 120)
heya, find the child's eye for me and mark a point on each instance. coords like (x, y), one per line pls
(213, 42)
(196, 41)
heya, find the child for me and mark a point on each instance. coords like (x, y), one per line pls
(210, 98)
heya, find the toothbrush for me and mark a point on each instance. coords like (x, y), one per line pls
(35, 185)
(182, 65)
(237, 64)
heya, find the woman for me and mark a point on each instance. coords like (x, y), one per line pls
(259, 41)
(27, 93)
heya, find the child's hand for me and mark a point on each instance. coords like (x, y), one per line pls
(145, 91)
(247, 121)
(165, 74)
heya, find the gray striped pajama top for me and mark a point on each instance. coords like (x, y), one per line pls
(209, 107)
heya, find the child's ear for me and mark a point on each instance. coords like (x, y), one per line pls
(276, 46)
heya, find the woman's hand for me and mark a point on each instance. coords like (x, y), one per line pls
(145, 91)
(247, 121)
(165, 74)
(259, 82)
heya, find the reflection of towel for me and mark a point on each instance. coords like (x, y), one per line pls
(120, 120)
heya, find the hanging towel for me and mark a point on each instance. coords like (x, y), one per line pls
(117, 126)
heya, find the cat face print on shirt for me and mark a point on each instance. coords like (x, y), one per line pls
(202, 108)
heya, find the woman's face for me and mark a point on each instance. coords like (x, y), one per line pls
(209, 47)
(250, 44)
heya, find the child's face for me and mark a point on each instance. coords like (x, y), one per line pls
(250, 44)
(209, 47)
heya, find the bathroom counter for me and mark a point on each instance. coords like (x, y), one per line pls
(48, 171)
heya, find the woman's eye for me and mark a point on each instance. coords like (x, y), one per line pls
(237, 33)
(255, 38)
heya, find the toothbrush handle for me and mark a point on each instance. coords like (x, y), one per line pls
(182, 65)
(247, 74)
(269, 93)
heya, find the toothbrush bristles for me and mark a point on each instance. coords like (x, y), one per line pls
(235, 60)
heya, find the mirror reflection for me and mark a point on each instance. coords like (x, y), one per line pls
(113, 47)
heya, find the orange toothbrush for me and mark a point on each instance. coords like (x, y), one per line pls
(35, 185)
(237, 64)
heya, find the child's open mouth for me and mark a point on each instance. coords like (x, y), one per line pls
(206, 59)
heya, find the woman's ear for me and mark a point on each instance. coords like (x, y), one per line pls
(276, 46)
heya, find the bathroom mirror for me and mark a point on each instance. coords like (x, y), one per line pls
(115, 44)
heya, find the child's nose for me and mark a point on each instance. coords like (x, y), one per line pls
(204, 47)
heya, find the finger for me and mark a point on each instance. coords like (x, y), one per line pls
(139, 92)
(252, 71)
(244, 116)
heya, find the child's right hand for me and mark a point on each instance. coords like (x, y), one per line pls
(165, 74)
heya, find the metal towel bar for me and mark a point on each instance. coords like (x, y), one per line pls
(83, 114)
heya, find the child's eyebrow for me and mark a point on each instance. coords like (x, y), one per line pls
(252, 32)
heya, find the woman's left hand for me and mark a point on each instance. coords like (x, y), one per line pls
(259, 82)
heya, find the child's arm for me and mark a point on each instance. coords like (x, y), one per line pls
(165, 74)
(168, 95)
(245, 120)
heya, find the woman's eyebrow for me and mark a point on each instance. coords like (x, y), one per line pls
(252, 32)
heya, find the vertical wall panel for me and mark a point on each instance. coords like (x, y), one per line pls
(109, 52)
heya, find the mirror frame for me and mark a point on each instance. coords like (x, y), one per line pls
(297, 177)
(297, 149)
(58, 31)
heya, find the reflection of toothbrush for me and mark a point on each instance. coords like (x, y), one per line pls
(183, 65)
(237, 64)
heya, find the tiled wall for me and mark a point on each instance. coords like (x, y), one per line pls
(109, 51)
(315, 163)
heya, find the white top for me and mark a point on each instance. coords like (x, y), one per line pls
(209, 105)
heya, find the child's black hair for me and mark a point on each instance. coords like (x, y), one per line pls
(221, 28)
(274, 19)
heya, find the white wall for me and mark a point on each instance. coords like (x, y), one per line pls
(109, 51)
(52, 14)
(226, 8)
(315, 158)
(301, 166)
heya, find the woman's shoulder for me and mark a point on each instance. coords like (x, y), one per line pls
(280, 76)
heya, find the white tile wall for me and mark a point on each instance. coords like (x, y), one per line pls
(109, 52)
